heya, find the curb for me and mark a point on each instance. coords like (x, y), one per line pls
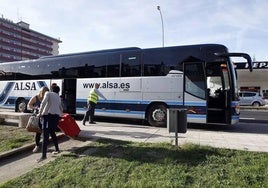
(253, 121)
(23, 148)
(254, 108)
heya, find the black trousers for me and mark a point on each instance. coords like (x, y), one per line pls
(89, 115)
(50, 123)
(38, 135)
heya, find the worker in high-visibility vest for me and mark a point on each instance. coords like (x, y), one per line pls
(92, 100)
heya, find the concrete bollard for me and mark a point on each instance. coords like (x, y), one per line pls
(23, 119)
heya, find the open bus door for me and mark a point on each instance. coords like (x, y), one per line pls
(206, 92)
(69, 96)
(218, 93)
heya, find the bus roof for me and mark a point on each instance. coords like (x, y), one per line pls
(196, 46)
(93, 52)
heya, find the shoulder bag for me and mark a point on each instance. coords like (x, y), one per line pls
(33, 124)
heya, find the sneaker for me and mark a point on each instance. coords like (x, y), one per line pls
(83, 122)
(55, 152)
(36, 149)
(92, 122)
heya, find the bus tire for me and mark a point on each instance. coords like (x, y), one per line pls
(21, 106)
(157, 115)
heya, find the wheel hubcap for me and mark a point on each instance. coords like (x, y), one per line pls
(22, 107)
(158, 115)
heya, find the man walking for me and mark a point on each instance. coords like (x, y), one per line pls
(93, 98)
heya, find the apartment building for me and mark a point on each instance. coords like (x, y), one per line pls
(19, 42)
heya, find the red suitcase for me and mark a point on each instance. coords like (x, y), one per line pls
(68, 126)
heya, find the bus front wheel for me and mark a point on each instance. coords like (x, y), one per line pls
(157, 115)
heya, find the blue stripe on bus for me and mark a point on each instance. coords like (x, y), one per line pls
(139, 107)
(123, 105)
(131, 101)
(234, 103)
(121, 111)
(112, 111)
(196, 116)
(5, 93)
(235, 117)
(195, 103)
(146, 102)
(41, 84)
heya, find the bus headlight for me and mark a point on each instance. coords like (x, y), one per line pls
(237, 109)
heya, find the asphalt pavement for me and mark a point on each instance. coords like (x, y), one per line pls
(235, 137)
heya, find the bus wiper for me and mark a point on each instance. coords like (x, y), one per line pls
(244, 55)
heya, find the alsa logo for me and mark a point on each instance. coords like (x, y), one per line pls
(25, 86)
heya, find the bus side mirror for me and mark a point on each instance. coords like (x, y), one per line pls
(244, 55)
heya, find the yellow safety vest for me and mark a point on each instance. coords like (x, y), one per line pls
(93, 96)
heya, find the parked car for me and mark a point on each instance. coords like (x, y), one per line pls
(247, 98)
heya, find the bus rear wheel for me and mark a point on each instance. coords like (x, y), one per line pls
(157, 115)
(21, 106)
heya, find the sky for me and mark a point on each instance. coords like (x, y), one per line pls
(89, 25)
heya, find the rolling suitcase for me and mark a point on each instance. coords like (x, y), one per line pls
(68, 126)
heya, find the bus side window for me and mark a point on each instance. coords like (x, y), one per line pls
(113, 65)
(99, 71)
(113, 70)
(131, 65)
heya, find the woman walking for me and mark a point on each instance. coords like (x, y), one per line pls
(34, 104)
(51, 111)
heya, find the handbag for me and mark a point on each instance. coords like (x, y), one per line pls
(33, 124)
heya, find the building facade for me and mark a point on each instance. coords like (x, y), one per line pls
(255, 80)
(19, 42)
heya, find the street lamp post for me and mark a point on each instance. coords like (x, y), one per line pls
(163, 38)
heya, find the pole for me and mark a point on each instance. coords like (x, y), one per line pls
(158, 8)
(176, 128)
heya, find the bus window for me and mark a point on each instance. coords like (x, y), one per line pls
(195, 79)
(130, 65)
(160, 63)
(88, 71)
(113, 65)
(217, 78)
(226, 78)
(98, 63)
(214, 84)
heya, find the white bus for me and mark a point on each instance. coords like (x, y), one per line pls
(138, 83)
